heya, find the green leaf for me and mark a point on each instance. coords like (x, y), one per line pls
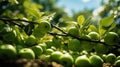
(85, 25)
(112, 26)
(107, 21)
(80, 20)
(92, 28)
(106, 24)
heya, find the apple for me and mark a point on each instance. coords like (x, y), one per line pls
(53, 48)
(84, 52)
(111, 38)
(85, 44)
(26, 53)
(55, 56)
(41, 29)
(74, 45)
(103, 56)
(10, 36)
(44, 57)
(118, 58)
(44, 46)
(49, 51)
(49, 43)
(101, 48)
(56, 41)
(117, 63)
(66, 60)
(82, 61)
(73, 31)
(44, 26)
(30, 41)
(7, 51)
(94, 35)
(111, 58)
(74, 54)
(37, 50)
(96, 61)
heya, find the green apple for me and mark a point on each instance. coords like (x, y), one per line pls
(44, 57)
(7, 51)
(30, 41)
(44, 46)
(96, 61)
(111, 38)
(10, 36)
(37, 50)
(41, 29)
(44, 26)
(111, 58)
(18, 47)
(26, 53)
(118, 58)
(53, 48)
(82, 61)
(84, 52)
(101, 48)
(74, 54)
(117, 63)
(73, 31)
(55, 56)
(94, 35)
(56, 41)
(74, 45)
(49, 43)
(49, 51)
(66, 60)
(85, 44)
(103, 56)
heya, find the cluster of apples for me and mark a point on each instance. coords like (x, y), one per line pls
(15, 43)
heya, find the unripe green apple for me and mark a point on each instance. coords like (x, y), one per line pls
(111, 38)
(96, 61)
(44, 46)
(7, 51)
(55, 56)
(31, 40)
(56, 41)
(37, 50)
(74, 45)
(118, 58)
(74, 54)
(49, 51)
(10, 36)
(117, 63)
(85, 44)
(111, 58)
(84, 52)
(73, 31)
(103, 56)
(94, 35)
(42, 28)
(82, 61)
(101, 48)
(44, 57)
(66, 60)
(26, 53)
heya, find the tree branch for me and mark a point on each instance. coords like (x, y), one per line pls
(64, 33)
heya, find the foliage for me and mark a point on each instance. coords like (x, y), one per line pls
(24, 28)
